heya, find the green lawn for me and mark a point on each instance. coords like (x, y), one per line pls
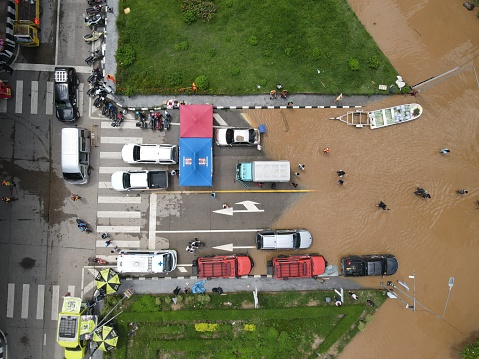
(287, 322)
(249, 43)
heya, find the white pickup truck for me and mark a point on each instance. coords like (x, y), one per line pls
(139, 180)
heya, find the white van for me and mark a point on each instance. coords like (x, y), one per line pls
(144, 261)
(76, 155)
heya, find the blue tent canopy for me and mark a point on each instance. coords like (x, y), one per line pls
(196, 162)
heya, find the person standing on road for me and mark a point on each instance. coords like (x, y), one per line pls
(75, 197)
(301, 166)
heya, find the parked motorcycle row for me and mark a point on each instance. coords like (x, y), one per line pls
(155, 121)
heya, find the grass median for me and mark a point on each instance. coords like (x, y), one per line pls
(212, 326)
(248, 47)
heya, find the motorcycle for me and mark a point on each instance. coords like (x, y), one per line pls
(100, 100)
(94, 36)
(83, 227)
(141, 117)
(95, 260)
(95, 76)
(98, 8)
(166, 121)
(95, 2)
(93, 20)
(113, 112)
(151, 121)
(119, 120)
(95, 56)
(159, 121)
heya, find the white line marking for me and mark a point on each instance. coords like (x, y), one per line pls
(44, 339)
(111, 155)
(34, 98)
(71, 290)
(49, 68)
(130, 125)
(19, 97)
(118, 214)
(55, 301)
(49, 99)
(80, 97)
(40, 301)
(118, 229)
(182, 269)
(89, 286)
(218, 119)
(121, 244)
(25, 298)
(230, 247)
(114, 169)
(152, 222)
(105, 199)
(122, 140)
(213, 231)
(105, 185)
(3, 105)
(10, 300)
(185, 265)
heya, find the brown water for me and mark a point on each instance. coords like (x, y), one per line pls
(437, 238)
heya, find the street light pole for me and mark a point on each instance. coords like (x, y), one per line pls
(451, 284)
(413, 276)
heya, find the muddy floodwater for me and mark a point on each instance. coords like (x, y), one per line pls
(438, 237)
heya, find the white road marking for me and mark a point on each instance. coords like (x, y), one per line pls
(218, 119)
(44, 339)
(40, 301)
(71, 290)
(118, 214)
(55, 301)
(19, 97)
(181, 269)
(48, 68)
(121, 244)
(230, 247)
(80, 97)
(34, 98)
(130, 125)
(25, 300)
(10, 300)
(49, 99)
(152, 222)
(3, 105)
(111, 155)
(213, 231)
(118, 229)
(114, 169)
(105, 185)
(250, 207)
(112, 199)
(122, 140)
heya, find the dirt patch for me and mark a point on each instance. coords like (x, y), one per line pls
(313, 303)
(316, 342)
(247, 305)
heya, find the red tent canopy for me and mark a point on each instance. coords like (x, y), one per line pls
(196, 121)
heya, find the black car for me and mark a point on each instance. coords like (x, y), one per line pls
(66, 84)
(369, 265)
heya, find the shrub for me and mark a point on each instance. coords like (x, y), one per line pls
(203, 85)
(354, 64)
(253, 40)
(249, 327)
(267, 53)
(206, 327)
(175, 79)
(287, 51)
(125, 55)
(179, 299)
(369, 318)
(203, 10)
(192, 57)
(182, 46)
(362, 326)
(471, 351)
(316, 53)
(189, 17)
(129, 91)
(263, 82)
(212, 52)
(235, 71)
(167, 300)
(373, 62)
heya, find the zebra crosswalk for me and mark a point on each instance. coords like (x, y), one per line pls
(34, 97)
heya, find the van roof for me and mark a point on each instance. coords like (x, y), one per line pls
(70, 148)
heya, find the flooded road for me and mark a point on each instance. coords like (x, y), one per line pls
(437, 238)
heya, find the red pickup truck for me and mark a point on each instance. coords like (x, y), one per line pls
(230, 266)
(297, 266)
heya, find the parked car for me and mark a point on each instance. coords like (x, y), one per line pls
(369, 265)
(139, 180)
(65, 88)
(283, 239)
(237, 136)
(294, 266)
(229, 266)
(149, 153)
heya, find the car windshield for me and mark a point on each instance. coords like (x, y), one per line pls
(229, 136)
(296, 240)
(167, 262)
(72, 176)
(126, 180)
(136, 153)
(252, 135)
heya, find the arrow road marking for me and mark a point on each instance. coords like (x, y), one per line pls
(249, 205)
(230, 247)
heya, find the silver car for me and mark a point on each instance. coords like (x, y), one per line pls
(237, 136)
(283, 239)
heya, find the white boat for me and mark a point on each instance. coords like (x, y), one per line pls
(383, 117)
(394, 115)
